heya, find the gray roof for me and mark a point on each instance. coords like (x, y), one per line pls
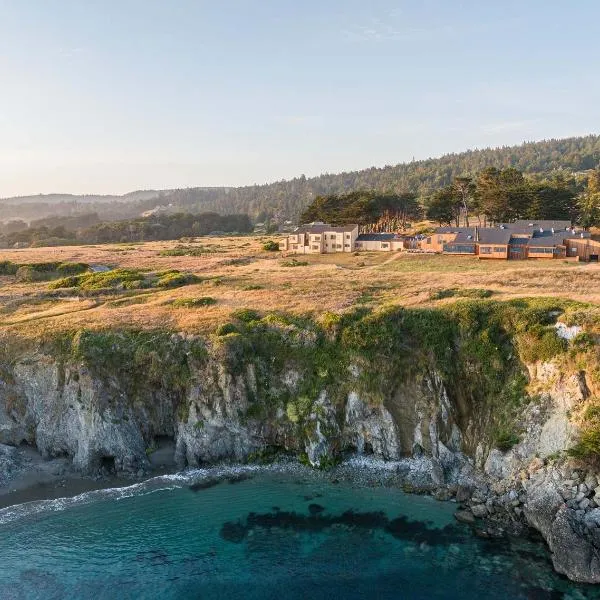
(547, 238)
(466, 230)
(377, 237)
(557, 225)
(493, 235)
(323, 227)
(464, 237)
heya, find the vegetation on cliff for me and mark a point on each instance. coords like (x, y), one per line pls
(479, 349)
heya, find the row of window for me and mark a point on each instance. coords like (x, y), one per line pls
(544, 250)
(459, 248)
(490, 249)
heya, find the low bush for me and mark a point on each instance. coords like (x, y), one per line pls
(460, 293)
(271, 246)
(173, 279)
(193, 302)
(294, 263)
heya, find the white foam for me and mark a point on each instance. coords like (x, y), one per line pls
(352, 466)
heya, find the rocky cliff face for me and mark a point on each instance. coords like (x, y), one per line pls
(108, 399)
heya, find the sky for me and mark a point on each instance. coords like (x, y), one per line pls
(110, 96)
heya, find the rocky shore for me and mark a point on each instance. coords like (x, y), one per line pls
(123, 404)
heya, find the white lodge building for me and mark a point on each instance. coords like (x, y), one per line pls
(320, 238)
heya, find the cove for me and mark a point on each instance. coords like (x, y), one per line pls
(272, 532)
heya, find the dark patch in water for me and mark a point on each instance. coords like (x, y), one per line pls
(233, 532)
(310, 497)
(535, 593)
(315, 509)
(275, 508)
(399, 528)
(153, 557)
(204, 484)
(238, 478)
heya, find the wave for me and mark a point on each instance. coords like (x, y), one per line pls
(358, 468)
(149, 486)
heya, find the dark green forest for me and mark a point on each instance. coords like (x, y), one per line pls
(286, 200)
(159, 227)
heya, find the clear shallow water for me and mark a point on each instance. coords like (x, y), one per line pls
(280, 532)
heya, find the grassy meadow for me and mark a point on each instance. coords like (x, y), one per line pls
(195, 285)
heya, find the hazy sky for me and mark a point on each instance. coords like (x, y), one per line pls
(109, 96)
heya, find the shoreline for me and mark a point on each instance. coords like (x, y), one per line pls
(36, 478)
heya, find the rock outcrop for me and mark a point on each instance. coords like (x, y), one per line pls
(217, 404)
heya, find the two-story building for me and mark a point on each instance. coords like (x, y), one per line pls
(320, 238)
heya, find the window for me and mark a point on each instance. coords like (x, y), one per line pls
(428, 240)
(359, 244)
(316, 247)
(347, 236)
(459, 248)
(485, 250)
(541, 250)
(316, 238)
(294, 246)
(346, 245)
(499, 249)
(332, 236)
(339, 246)
(385, 245)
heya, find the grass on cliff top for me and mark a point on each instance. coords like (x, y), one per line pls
(251, 277)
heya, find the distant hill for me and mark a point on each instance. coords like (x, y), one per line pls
(287, 199)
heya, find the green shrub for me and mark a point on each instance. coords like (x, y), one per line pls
(505, 440)
(187, 251)
(271, 246)
(118, 278)
(246, 315)
(226, 329)
(69, 268)
(8, 268)
(540, 343)
(193, 302)
(174, 279)
(460, 293)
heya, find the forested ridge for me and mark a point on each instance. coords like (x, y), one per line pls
(286, 200)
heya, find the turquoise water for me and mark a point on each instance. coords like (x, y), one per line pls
(282, 533)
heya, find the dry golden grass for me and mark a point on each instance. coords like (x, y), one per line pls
(241, 275)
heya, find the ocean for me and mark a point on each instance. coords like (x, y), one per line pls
(275, 532)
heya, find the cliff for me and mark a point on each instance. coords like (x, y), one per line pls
(481, 400)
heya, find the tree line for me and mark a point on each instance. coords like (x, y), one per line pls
(286, 200)
(504, 195)
(492, 196)
(154, 228)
